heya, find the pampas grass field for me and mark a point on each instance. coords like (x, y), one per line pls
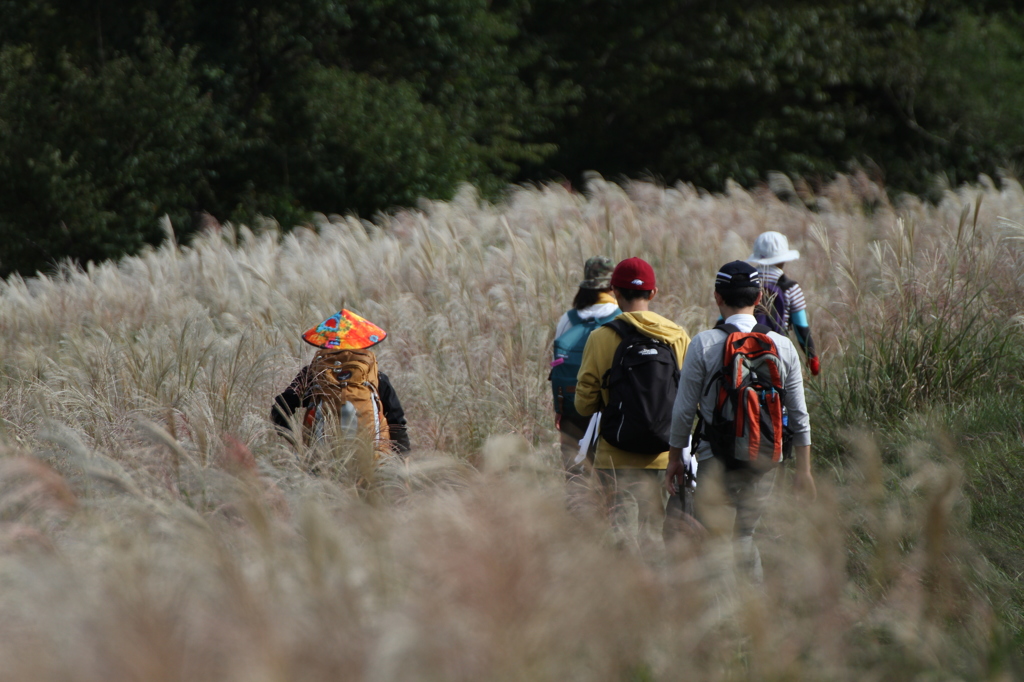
(154, 526)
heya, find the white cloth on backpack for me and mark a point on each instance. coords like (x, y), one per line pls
(592, 312)
(593, 429)
(690, 465)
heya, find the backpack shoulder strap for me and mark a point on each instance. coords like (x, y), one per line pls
(620, 327)
(785, 283)
(761, 329)
(729, 329)
(601, 321)
(574, 317)
(625, 330)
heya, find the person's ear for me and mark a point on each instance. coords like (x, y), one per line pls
(757, 300)
(654, 292)
(718, 299)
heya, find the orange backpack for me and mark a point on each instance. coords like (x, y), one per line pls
(748, 425)
(343, 386)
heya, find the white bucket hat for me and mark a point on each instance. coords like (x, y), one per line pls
(772, 248)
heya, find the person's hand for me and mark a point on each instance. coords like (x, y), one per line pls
(674, 470)
(815, 365)
(682, 466)
(804, 484)
(558, 422)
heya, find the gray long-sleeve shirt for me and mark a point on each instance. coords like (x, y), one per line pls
(704, 359)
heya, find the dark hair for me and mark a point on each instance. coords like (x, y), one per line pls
(587, 297)
(634, 294)
(740, 298)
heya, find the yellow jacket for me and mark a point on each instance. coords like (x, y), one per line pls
(597, 359)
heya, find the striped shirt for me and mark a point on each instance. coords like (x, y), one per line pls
(793, 301)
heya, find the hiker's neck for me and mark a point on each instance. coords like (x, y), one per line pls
(728, 311)
(637, 305)
(640, 305)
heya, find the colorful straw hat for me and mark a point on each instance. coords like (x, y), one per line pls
(344, 331)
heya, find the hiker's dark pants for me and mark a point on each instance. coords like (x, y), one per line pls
(638, 499)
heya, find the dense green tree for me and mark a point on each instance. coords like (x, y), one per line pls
(89, 160)
(327, 105)
(971, 91)
(732, 89)
(452, 55)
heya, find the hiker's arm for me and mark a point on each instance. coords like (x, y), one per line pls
(284, 407)
(597, 359)
(684, 410)
(674, 469)
(796, 405)
(289, 401)
(799, 423)
(798, 321)
(803, 333)
(804, 479)
(394, 413)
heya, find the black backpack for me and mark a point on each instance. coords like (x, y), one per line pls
(641, 385)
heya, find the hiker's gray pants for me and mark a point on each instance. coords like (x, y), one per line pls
(748, 492)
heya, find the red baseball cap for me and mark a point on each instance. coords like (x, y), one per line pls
(634, 273)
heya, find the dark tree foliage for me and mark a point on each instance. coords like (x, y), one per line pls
(276, 108)
(116, 112)
(705, 91)
(90, 159)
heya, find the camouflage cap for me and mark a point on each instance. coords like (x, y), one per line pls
(597, 273)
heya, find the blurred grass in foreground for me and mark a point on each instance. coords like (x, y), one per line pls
(153, 526)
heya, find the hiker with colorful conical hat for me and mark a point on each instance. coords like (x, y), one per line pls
(783, 306)
(592, 307)
(342, 382)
